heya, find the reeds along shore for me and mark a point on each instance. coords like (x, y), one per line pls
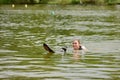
(82, 2)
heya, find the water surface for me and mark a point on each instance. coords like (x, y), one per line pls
(24, 30)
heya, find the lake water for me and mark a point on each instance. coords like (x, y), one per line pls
(24, 30)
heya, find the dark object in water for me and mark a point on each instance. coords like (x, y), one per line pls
(46, 47)
(64, 49)
(80, 48)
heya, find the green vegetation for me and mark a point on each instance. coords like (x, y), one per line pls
(98, 2)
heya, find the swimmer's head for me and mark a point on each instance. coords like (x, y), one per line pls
(76, 44)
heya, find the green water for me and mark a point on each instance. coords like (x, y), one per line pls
(24, 30)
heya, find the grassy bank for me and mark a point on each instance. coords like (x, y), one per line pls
(92, 2)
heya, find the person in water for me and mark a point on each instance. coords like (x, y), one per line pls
(77, 45)
(78, 49)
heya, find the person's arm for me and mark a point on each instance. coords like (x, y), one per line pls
(84, 48)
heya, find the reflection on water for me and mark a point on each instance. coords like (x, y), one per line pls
(22, 33)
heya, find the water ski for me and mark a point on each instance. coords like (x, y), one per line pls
(47, 48)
